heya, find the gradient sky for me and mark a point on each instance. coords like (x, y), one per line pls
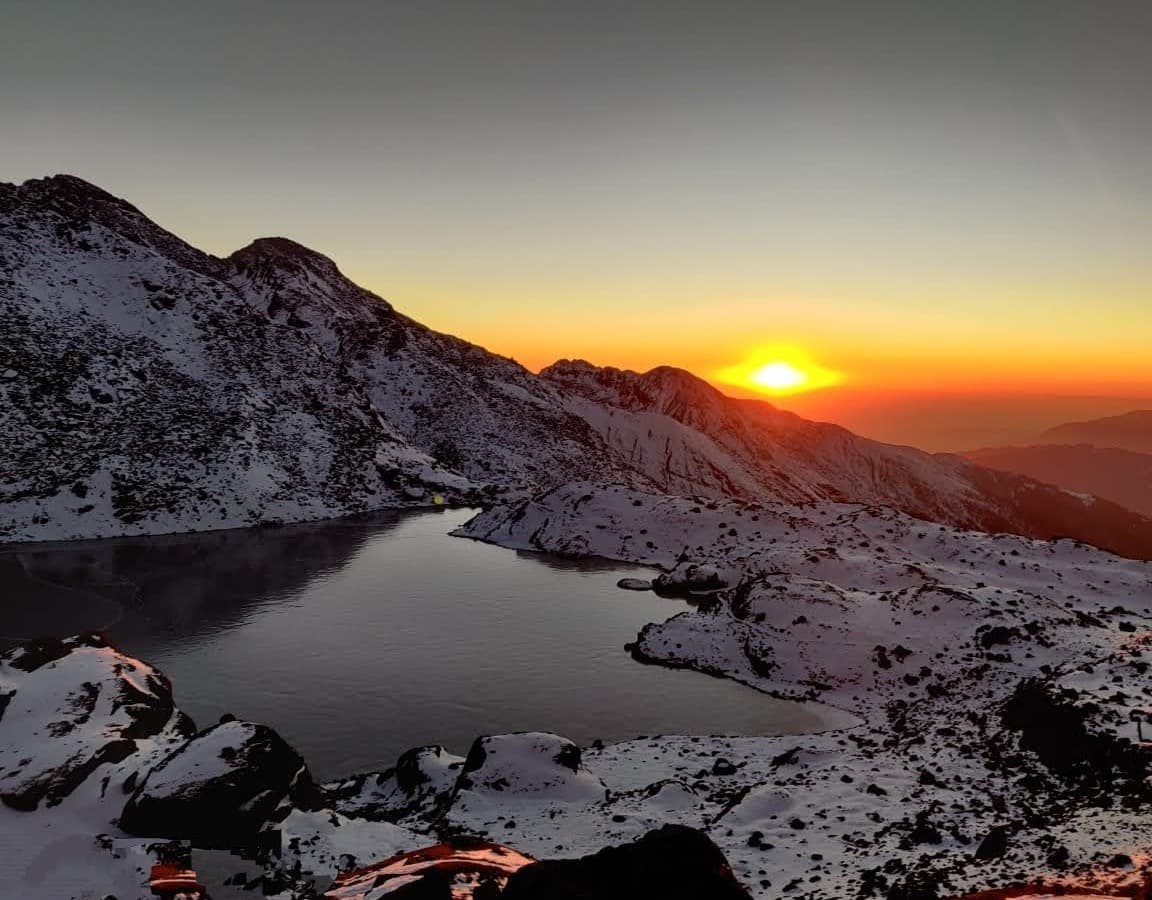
(928, 197)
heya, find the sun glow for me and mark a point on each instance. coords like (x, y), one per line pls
(778, 376)
(779, 371)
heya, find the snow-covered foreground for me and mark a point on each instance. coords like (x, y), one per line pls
(997, 678)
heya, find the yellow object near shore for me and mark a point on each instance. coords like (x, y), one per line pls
(438, 499)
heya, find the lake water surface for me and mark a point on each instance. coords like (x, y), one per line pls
(357, 639)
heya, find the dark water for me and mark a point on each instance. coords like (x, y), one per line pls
(357, 639)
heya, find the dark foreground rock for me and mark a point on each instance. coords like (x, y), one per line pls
(221, 788)
(672, 863)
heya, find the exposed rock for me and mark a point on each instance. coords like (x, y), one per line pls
(689, 578)
(71, 707)
(421, 776)
(221, 788)
(994, 845)
(1054, 726)
(634, 584)
(671, 863)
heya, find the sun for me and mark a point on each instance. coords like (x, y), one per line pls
(778, 376)
(778, 371)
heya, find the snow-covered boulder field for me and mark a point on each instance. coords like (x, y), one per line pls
(1003, 684)
(97, 764)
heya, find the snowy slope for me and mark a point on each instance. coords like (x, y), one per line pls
(140, 394)
(476, 412)
(997, 676)
(688, 438)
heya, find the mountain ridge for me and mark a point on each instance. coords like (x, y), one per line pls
(175, 390)
(1128, 431)
(1122, 476)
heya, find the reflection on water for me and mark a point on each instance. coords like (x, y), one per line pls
(360, 638)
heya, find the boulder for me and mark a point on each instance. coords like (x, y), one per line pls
(71, 707)
(421, 777)
(532, 764)
(221, 788)
(634, 584)
(689, 578)
(671, 863)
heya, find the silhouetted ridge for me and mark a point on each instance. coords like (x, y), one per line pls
(665, 388)
(78, 204)
(1130, 431)
(284, 250)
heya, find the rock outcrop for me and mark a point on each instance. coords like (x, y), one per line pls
(69, 710)
(671, 863)
(221, 788)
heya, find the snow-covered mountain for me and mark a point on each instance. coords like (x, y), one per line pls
(476, 412)
(688, 438)
(141, 393)
(148, 387)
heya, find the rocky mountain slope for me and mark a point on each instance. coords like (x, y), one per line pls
(141, 393)
(474, 411)
(1130, 431)
(688, 438)
(1121, 476)
(149, 387)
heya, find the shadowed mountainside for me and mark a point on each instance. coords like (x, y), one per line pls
(1122, 476)
(1130, 431)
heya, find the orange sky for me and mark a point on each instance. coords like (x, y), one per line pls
(980, 338)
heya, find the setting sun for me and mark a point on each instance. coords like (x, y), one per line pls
(778, 376)
(778, 371)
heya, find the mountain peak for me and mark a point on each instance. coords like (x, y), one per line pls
(78, 204)
(286, 257)
(659, 387)
(67, 195)
(281, 248)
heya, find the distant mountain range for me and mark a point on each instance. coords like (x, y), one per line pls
(1131, 431)
(148, 387)
(1110, 458)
